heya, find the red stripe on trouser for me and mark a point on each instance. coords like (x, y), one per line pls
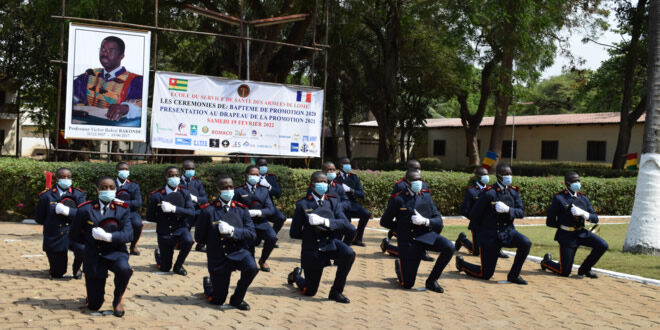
(553, 268)
(481, 267)
(473, 243)
(138, 239)
(401, 272)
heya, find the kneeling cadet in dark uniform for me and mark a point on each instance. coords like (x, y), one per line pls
(227, 230)
(494, 213)
(56, 219)
(129, 192)
(319, 221)
(269, 181)
(197, 195)
(418, 225)
(104, 227)
(353, 188)
(568, 212)
(401, 185)
(170, 219)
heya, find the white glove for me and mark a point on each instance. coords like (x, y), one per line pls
(167, 207)
(194, 198)
(419, 220)
(225, 228)
(117, 200)
(255, 213)
(578, 212)
(501, 207)
(62, 209)
(264, 183)
(346, 188)
(317, 220)
(101, 235)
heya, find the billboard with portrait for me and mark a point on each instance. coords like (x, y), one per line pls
(107, 83)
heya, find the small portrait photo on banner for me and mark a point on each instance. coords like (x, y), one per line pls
(107, 83)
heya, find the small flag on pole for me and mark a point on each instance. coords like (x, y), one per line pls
(631, 162)
(178, 85)
(303, 97)
(489, 160)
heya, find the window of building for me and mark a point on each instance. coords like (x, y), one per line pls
(439, 147)
(596, 151)
(506, 149)
(549, 149)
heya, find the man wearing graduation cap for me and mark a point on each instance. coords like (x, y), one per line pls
(55, 210)
(319, 222)
(227, 230)
(104, 227)
(170, 207)
(418, 223)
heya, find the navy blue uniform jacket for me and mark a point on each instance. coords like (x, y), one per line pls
(353, 182)
(167, 223)
(560, 211)
(314, 239)
(401, 206)
(484, 215)
(56, 226)
(259, 200)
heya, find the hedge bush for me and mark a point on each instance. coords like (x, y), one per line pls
(26, 180)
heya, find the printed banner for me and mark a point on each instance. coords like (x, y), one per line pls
(213, 114)
(107, 82)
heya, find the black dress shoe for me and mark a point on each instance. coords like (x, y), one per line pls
(338, 297)
(263, 267)
(517, 280)
(78, 275)
(242, 306)
(118, 311)
(200, 248)
(459, 241)
(292, 276)
(180, 271)
(434, 286)
(459, 263)
(588, 274)
(427, 257)
(502, 255)
(383, 244)
(546, 259)
(358, 243)
(276, 246)
(208, 287)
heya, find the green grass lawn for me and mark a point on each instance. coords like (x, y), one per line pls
(543, 242)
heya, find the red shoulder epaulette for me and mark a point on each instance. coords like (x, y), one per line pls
(157, 190)
(41, 193)
(581, 194)
(205, 205)
(397, 194)
(122, 204)
(400, 180)
(330, 195)
(425, 190)
(514, 188)
(83, 203)
(268, 174)
(488, 188)
(235, 203)
(310, 197)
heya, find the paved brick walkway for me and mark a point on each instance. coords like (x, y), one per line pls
(30, 299)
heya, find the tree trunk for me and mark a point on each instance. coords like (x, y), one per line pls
(628, 119)
(402, 141)
(625, 131)
(502, 101)
(644, 230)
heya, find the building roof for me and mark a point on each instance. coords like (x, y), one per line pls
(536, 120)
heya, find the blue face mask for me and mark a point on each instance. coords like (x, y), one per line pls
(173, 181)
(263, 170)
(106, 196)
(123, 174)
(64, 183)
(320, 188)
(346, 168)
(507, 180)
(253, 179)
(416, 186)
(331, 176)
(484, 179)
(575, 186)
(189, 173)
(227, 195)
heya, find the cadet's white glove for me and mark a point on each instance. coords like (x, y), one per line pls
(194, 198)
(501, 207)
(167, 207)
(578, 212)
(101, 235)
(317, 220)
(420, 220)
(254, 213)
(117, 200)
(346, 188)
(225, 228)
(62, 209)
(264, 183)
